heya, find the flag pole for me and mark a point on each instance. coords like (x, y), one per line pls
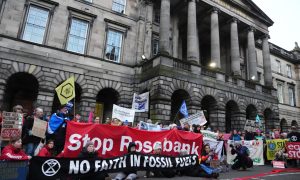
(74, 108)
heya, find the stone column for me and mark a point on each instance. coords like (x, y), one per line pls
(215, 38)
(234, 48)
(148, 33)
(141, 32)
(175, 37)
(192, 34)
(267, 62)
(164, 30)
(252, 55)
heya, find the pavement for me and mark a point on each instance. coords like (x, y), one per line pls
(266, 172)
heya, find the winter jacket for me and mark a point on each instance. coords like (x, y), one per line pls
(235, 137)
(26, 136)
(11, 153)
(85, 154)
(46, 152)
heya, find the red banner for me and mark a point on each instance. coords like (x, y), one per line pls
(293, 150)
(112, 141)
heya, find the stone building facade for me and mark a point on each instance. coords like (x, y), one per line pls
(214, 54)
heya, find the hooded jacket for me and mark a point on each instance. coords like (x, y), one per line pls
(11, 153)
(46, 152)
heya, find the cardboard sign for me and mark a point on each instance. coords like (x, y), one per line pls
(123, 114)
(39, 128)
(251, 125)
(11, 125)
(278, 164)
(198, 119)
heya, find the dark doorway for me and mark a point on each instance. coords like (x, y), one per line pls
(104, 103)
(268, 116)
(177, 98)
(251, 112)
(283, 125)
(209, 107)
(231, 116)
(21, 88)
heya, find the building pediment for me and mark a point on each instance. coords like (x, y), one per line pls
(249, 7)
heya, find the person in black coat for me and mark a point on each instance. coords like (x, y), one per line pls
(130, 175)
(89, 152)
(29, 140)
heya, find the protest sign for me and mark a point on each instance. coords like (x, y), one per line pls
(39, 128)
(273, 146)
(66, 91)
(293, 150)
(198, 119)
(149, 126)
(140, 102)
(278, 164)
(11, 125)
(255, 147)
(209, 134)
(251, 125)
(63, 168)
(123, 114)
(216, 146)
(113, 140)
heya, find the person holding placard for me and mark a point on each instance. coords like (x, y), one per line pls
(29, 140)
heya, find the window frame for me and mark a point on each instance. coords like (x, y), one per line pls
(48, 5)
(86, 36)
(121, 48)
(278, 66)
(280, 100)
(293, 102)
(81, 16)
(125, 5)
(154, 38)
(289, 71)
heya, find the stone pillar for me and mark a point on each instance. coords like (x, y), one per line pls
(175, 37)
(234, 48)
(141, 32)
(164, 30)
(215, 38)
(148, 30)
(192, 34)
(217, 119)
(252, 55)
(267, 62)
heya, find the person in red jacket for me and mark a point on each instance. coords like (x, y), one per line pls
(14, 151)
(47, 150)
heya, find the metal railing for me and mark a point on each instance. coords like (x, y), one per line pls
(179, 64)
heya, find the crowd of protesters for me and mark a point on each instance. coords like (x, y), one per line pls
(53, 144)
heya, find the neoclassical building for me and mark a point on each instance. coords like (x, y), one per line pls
(214, 54)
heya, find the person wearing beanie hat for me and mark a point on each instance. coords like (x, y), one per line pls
(157, 148)
(130, 175)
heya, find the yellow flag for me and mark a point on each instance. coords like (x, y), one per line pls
(66, 91)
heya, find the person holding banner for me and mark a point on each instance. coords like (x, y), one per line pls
(293, 136)
(128, 175)
(29, 140)
(13, 151)
(47, 150)
(57, 126)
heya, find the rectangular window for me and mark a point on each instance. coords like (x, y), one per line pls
(35, 25)
(280, 93)
(77, 36)
(113, 45)
(278, 66)
(119, 6)
(289, 71)
(157, 15)
(155, 47)
(291, 96)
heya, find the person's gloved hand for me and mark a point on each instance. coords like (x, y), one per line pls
(30, 132)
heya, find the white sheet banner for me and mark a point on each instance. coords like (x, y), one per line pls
(140, 103)
(255, 147)
(215, 145)
(149, 126)
(209, 134)
(198, 119)
(123, 114)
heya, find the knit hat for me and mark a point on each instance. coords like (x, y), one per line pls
(88, 144)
